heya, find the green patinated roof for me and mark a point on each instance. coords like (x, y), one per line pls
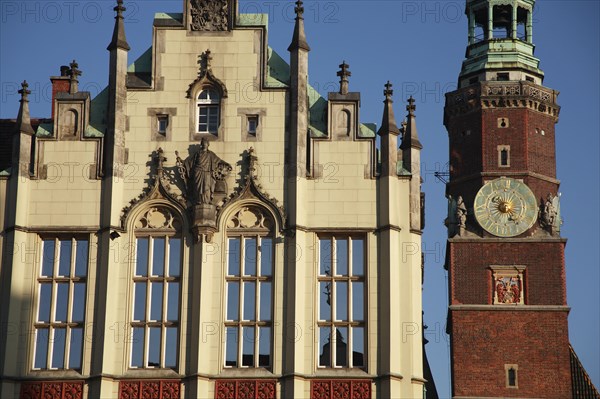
(45, 130)
(253, 20)
(143, 64)
(169, 16)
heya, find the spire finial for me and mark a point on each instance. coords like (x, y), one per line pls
(299, 9)
(24, 92)
(119, 40)
(74, 73)
(388, 92)
(411, 107)
(120, 9)
(344, 74)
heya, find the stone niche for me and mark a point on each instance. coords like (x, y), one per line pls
(71, 115)
(343, 116)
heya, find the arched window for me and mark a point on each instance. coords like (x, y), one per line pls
(156, 290)
(209, 102)
(249, 289)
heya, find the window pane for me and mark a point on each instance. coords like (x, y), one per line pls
(139, 304)
(341, 347)
(325, 301)
(233, 298)
(341, 253)
(62, 301)
(154, 347)
(156, 301)
(64, 262)
(137, 347)
(341, 301)
(358, 301)
(325, 257)
(173, 301)
(234, 257)
(248, 346)
(249, 301)
(75, 348)
(141, 268)
(174, 257)
(250, 257)
(45, 302)
(58, 348)
(265, 301)
(325, 346)
(266, 256)
(81, 258)
(231, 348)
(48, 259)
(171, 347)
(358, 343)
(358, 257)
(41, 348)
(158, 257)
(78, 302)
(264, 347)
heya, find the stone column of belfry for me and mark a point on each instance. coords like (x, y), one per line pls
(296, 175)
(108, 265)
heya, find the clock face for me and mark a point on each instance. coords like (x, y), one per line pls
(505, 207)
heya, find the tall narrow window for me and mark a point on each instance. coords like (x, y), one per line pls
(342, 294)
(208, 111)
(60, 318)
(156, 293)
(249, 290)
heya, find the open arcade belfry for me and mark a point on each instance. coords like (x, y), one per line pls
(505, 257)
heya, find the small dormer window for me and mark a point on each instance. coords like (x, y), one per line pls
(208, 111)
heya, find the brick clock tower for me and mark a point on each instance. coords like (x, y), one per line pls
(505, 257)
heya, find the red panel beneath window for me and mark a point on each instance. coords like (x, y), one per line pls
(52, 390)
(150, 389)
(340, 389)
(245, 389)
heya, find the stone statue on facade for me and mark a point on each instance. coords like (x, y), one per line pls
(461, 215)
(202, 173)
(549, 214)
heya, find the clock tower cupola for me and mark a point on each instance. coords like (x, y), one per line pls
(507, 318)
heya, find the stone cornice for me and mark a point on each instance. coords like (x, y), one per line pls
(511, 308)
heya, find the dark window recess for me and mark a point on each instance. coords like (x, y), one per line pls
(504, 157)
(503, 76)
(512, 377)
(252, 124)
(473, 80)
(529, 79)
(163, 124)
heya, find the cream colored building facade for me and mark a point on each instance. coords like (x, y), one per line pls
(281, 261)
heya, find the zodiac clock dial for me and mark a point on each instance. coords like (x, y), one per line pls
(505, 207)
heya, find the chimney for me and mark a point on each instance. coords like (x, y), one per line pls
(60, 84)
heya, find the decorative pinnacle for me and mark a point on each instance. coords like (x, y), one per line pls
(24, 92)
(299, 9)
(74, 72)
(388, 92)
(411, 107)
(119, 9)
(344, 74)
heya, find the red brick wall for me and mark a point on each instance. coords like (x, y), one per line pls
(465, 147)
(484, 341)
(471, 279)
(59, 86)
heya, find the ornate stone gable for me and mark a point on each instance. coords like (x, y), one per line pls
(209, 15)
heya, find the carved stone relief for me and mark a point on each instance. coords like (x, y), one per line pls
(209, 15)
(250, 217)
(158, 218)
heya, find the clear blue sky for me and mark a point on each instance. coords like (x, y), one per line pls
(419, 46)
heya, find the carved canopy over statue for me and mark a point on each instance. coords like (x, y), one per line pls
(200, 172)
(209, 15)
